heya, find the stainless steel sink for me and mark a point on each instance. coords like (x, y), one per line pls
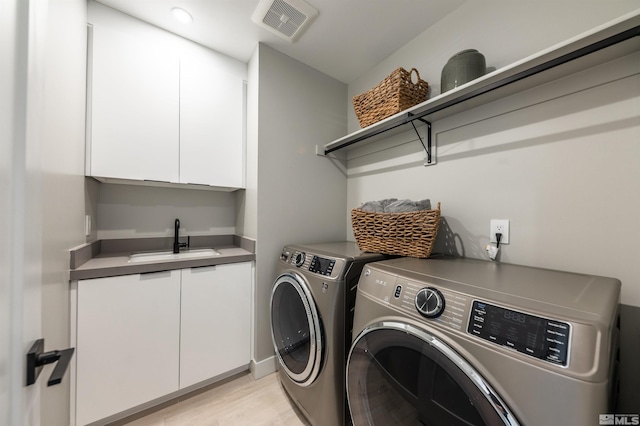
(169, 255)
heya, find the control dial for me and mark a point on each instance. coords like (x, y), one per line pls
(429, 302)
(299, 259)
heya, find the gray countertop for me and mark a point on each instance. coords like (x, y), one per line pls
(111, 258)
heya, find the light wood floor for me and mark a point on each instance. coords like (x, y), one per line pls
(239, 401)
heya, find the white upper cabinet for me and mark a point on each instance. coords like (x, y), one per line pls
(134, 109)
(211, 121)
(161, 108)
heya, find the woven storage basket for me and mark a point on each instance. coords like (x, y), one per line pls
(406, 234)
(393, 94)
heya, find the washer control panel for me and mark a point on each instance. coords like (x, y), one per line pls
(324, 266)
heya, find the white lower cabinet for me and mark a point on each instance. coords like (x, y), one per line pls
(141, 337)
(215, 325)
(128, 339)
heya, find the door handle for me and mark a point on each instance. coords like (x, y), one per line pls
(37, 357)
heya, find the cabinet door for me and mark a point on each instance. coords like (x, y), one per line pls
(211, 119)
(134, 107)
(216, 321)
(127, 342)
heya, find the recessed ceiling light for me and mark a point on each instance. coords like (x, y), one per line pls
(182, 15)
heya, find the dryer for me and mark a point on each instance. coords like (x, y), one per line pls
(312, 305)
(468, 342)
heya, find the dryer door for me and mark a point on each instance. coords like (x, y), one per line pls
(295, 329)
(400, 375)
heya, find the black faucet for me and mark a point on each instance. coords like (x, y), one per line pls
(176, 243)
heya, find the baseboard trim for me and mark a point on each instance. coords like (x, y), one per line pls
(259, 369)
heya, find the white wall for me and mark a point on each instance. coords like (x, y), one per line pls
(62, 182)
(559, 161)
(8, 51)
(301, 197)
(21, 77)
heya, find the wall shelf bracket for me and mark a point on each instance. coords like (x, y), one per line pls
(427, 147)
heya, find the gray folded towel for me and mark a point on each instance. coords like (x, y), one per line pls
(401, 206)
(393, 205)
(372, 206)
(423, 204)
(377, 206)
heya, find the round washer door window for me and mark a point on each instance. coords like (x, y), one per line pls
(295, 329)
(400, 375)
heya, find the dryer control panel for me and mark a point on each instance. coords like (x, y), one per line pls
(539, 337)
(420, 300)
(543, 338)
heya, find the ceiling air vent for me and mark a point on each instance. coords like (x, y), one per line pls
(287, 18)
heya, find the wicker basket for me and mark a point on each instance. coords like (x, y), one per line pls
(405, 234)
(393, 94)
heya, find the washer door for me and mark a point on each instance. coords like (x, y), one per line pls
(295, 329)
(400, 375)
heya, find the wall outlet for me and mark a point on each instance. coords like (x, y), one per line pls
(501, 226)
(87, 225)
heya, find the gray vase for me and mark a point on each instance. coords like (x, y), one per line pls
(461, 68)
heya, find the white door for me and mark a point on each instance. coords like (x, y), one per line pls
(21, 75)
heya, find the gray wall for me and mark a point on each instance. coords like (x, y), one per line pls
(129, 211)
(560, 161)
(504, 31)
(301, 197)
(556, 160)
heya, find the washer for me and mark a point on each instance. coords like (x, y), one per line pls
(312, 305)
(467, 342)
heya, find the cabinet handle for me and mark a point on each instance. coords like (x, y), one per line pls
(37, 357)
(196, 268)
(165, 272)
